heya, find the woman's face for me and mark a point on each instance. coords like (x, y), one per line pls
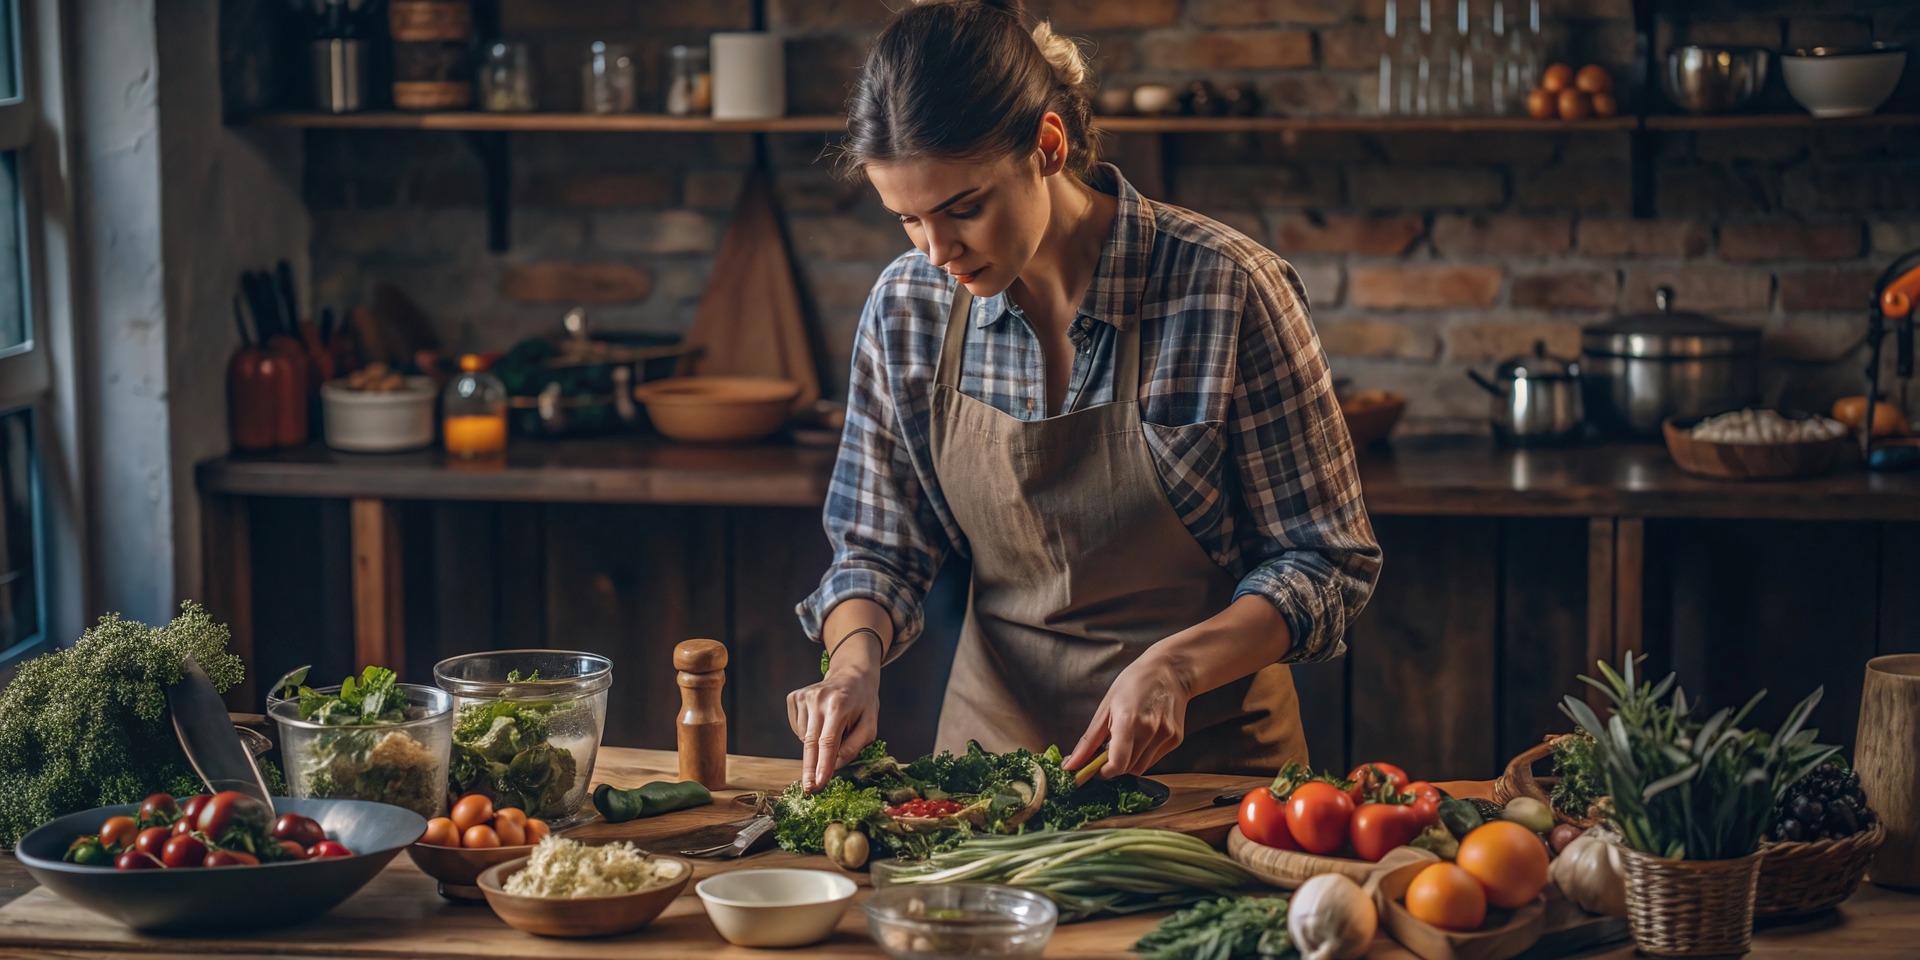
(980, 221)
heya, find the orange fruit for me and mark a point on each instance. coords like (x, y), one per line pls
(1509, 861)
(1447, 897)
(1557, 78)
(1574, 105)
(1593, 78)
(1541, 104)
(1604, 105)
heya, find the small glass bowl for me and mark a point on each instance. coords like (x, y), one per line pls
(925, 921)
(570, 692)
(403, 763)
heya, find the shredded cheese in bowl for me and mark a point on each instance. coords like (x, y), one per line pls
(1766, 427)
(565, 869)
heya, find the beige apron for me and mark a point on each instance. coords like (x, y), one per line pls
(1079, 564)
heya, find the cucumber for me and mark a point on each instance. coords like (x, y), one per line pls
(1459, 816)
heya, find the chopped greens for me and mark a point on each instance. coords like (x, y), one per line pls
(360, 761)
(1230, 928)
(500, 749)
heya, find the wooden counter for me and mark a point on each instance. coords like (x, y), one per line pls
(399, 915)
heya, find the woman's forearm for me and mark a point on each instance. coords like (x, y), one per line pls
(857, 653)
(1248, 635)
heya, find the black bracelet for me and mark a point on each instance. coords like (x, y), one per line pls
(828, 656)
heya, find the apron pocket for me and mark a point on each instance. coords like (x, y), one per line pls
(1188, 459)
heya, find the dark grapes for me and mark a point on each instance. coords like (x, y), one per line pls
(1826, 804)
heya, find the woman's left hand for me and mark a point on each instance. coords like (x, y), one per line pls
(1142, 719)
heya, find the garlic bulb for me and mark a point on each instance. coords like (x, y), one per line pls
(1590, 874)
(1331, 918)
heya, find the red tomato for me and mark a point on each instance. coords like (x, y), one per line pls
(181, 827)
(153, 840)
(1426, 799)
(230, 858)
(135, 860)
(1379, 827)
(328, 848)
(1317, 816)
(190, 807)
(159, 809)
(304, 831)
(232, 810)
(1263, 818)
(184, 851)
(294, 850)
(1369, 779)
(118, 833)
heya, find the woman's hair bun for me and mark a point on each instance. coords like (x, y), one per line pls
(1069, 63)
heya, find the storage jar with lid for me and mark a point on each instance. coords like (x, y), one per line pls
(1642, 369)
(474, 412)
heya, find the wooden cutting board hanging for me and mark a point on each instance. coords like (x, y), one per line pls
(750, 321)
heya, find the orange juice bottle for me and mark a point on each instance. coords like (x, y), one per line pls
(474, 412)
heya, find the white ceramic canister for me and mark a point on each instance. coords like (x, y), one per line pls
(749, 76)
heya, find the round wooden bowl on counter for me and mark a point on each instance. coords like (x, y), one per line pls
(580, 916)
(718, 409)
(458, 869)
(1750, 461)
(1371, 415)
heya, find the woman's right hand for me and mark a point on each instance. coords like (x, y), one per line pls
(834, 719)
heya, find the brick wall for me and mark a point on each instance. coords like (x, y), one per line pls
(1423, 253)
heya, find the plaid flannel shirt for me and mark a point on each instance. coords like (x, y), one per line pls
(1236, 399)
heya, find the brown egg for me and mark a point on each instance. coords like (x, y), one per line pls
(1604, 105)
(1593, 78)
(1574, 105)
(1557, 78)
(1541, 105)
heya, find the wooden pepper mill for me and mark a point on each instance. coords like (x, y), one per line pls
(703, 724)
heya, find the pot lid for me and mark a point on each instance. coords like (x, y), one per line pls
(1537, 365)
(1667, 332)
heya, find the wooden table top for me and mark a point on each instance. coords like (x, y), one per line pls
(1416, 476)
(399, 915)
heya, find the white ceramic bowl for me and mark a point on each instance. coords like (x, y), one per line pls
(359, 421)
(775, 908)
(1843, 81)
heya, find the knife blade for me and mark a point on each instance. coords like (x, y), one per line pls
(207, 734)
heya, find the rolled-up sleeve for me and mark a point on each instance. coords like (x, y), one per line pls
(887, 542)
(1304, 528)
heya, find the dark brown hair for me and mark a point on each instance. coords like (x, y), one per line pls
(965, 80)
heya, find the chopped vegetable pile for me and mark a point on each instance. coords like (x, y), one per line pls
(937, 801)
(568, 869)
(1230, 928)
(501, 749)
(361, 761)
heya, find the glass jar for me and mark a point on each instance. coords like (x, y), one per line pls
(506, 78)
(403, 763)
(607, 79)
(689, 82)
(473, 412)
(537, 715)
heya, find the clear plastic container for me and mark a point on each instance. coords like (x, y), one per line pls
(527, 725)
(916, 921)
(404, 764)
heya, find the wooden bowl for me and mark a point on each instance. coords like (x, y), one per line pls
(1506, 934)
(718, 409)
(1371, 416)
(459, 868)
(582, 916)
(1288, 869)
(1749, 461)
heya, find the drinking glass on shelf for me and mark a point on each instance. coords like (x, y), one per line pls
(506, 78)
(607, 79)
(1415, 90)
(689, 81)
(1385, 99)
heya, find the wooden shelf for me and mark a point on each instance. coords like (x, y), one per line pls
(1775, 121)
(1356, 125)
(477, 121)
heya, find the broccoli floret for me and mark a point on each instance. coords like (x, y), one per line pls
(86, 726)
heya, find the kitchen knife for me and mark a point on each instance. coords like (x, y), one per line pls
(207, 734)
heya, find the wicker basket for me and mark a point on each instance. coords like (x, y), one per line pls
(1690, 908)
(1518, 781)
(1800, 878)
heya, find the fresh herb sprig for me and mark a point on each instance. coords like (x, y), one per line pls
(1230, 928)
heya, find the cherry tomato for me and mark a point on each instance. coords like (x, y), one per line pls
(1263, 818)
(293, 850)
(159, 809)
(441, 833)
(184, 851)
(328, 848)
(471, 811)
(118, 833)
(1317, 816)
(512, 833)
(190, 807)
(304, 831)
(1379, 827)
(230, 858)
(1369, 778)
(1426, 799)
(135, 860)
(479, 835)
(537, 830)
(181, 827)
(231, 810)
(153, 840)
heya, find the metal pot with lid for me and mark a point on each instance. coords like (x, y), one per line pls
(1536, 399)
(1644, 368)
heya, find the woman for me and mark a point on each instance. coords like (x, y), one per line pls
(1116, 408)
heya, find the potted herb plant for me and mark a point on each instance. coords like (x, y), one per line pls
(1692, 800)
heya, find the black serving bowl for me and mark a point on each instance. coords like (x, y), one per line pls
(225, 899)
